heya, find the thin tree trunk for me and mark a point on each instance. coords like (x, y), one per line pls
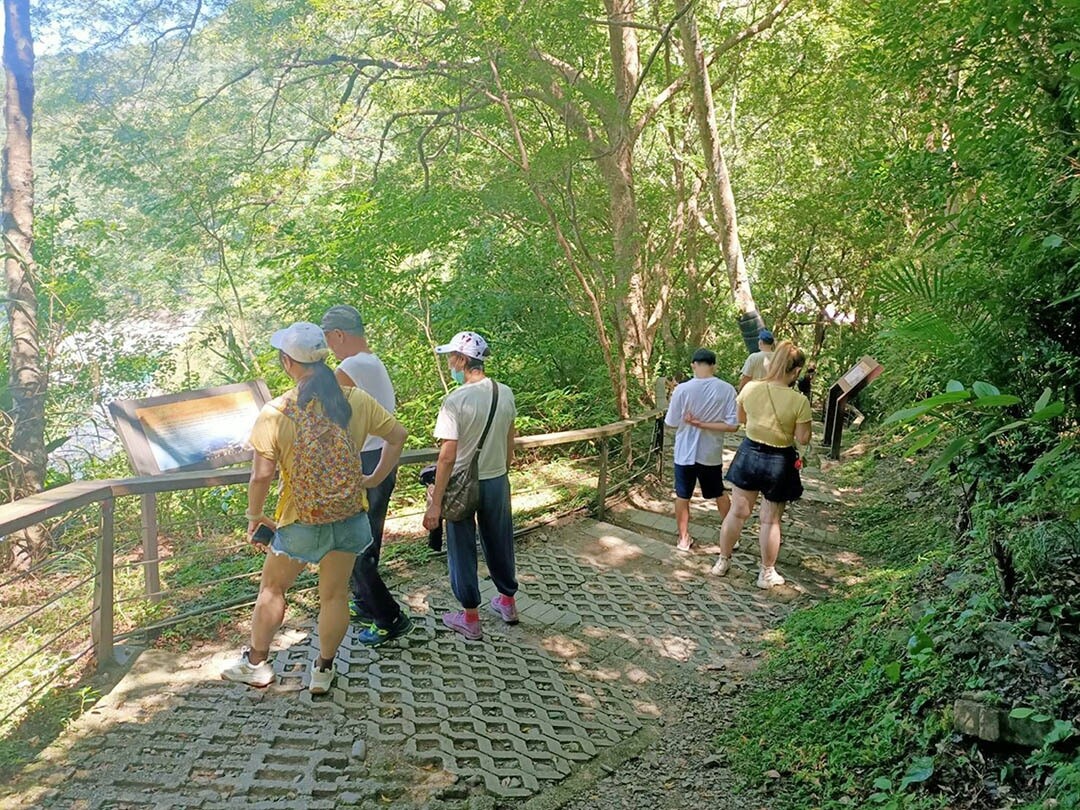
(27, 380)
(720, 191)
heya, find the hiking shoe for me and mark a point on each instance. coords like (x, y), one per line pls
(321, 679)
(358, 613)
(373, 635)
(723, 564)
(456, 621)
(768, 578)
(243, 671)
(506, 608)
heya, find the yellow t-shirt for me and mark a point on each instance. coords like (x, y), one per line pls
(274, 434)
(772, 411)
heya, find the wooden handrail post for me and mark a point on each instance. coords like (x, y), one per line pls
(151, 572)
(601, 481)
(101, 626)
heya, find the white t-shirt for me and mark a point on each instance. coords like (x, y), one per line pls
(369, 374)
(709, 399)
(462, 417)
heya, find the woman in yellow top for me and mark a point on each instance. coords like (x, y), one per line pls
(332, 546)
(776, 417)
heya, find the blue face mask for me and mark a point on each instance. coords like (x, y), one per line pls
(458, 375)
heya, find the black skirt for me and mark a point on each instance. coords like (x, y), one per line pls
(766, 469)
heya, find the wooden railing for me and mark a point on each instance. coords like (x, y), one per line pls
(67, 499)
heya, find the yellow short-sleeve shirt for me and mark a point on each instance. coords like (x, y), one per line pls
(772, 411)
(274, 434)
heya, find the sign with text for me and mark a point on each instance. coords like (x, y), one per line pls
(192, 430)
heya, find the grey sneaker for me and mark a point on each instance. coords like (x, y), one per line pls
(243, 671)
(321, 679)
(723, 565)
(768, 578)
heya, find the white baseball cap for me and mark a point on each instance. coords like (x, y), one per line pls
(304, 342)
(469, 344)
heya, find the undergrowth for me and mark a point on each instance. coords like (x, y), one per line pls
(854, 707)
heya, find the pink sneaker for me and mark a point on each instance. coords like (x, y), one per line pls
(506, 608)
(457, 622)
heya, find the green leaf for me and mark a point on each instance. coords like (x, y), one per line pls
(892, 672)
(984, 389)
(1062, 730)
(1052, 241)
(906, 414)
(921, 769)
(923, 439)
(996, 401)
(1043, 400)
(1049, 412)
(883, 783)
(956, 446)
(946, 399)
(1007, 428)
(1041, 718)
(1021, 713)
(953, 386)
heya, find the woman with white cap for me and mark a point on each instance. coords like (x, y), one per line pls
(312, 435)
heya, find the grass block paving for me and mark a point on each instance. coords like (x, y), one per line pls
(433, 719)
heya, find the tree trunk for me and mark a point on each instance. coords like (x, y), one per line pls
(632, 310)
(27, 380)
(720, 192)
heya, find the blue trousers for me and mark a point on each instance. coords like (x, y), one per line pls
(496, 527)
(378, 501)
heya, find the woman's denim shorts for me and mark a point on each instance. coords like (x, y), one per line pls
(766, 469)
(310, 544)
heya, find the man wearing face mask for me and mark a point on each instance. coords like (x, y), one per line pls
(460, 425)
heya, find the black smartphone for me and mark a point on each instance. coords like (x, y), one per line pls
(264, 534)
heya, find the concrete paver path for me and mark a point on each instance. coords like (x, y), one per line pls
(530, 716)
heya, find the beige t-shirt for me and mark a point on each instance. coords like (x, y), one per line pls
(462, 417)
(757, 365)
(772, 411)
(274, 434)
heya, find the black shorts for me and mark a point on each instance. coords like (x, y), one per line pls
(766, 469)
(711, 478)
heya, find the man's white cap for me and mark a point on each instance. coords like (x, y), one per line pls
(304, 342)
(469, 344)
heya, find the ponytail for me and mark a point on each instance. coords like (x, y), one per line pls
(785, 359)
(321, 384)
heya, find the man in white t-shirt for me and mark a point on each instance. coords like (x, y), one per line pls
(703, 409)
(757, 364)
(464, 414)
(360, 368)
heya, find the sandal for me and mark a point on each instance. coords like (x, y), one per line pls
(685, 549)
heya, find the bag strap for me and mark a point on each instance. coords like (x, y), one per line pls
(776, 413)
(491, 416)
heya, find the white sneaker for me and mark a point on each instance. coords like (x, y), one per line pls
(243, 671)
(321, 679)
(721, 567)
(768, 578)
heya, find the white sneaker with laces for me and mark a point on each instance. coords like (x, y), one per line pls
(723, 564)
(321, 679)
(768, 578)
(243, 671)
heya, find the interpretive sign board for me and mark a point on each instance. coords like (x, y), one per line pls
(192, 430)
(858, 377)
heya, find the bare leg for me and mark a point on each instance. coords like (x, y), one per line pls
(278, 574)
(771, 512)
(723, 505)
(334, 572)
(742, 504)
(682, 521)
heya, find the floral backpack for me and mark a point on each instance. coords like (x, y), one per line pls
(326, 471)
